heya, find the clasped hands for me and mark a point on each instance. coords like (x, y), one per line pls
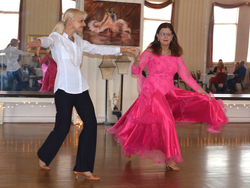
(135, 51)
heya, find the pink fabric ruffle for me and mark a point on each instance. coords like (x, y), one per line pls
(148, 129)
(150, 134)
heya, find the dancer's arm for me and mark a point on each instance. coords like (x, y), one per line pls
(22, 53)
(186, 77)
(105, 50)
(139, 65)
(44, 42)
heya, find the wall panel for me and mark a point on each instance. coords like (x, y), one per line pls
(191, 31)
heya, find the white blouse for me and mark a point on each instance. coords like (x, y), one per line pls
(12, 54)
(68, 56)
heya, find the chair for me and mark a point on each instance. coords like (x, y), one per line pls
(198, 73)
(222, 80)
(25, 73)
(30, 75)
(247, 79)
(241, 80)
(197, 79)
(176, 79)
(181, 81)
(193, 75)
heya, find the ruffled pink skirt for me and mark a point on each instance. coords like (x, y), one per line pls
(148, 128)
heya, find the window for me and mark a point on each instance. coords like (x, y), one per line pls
(152, 19)
(9, 13)
(66, 4)
(225, 30)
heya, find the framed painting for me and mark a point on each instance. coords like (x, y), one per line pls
(112, 23)
(34, 37)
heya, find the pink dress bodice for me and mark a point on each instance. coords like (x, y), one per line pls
(161, 70)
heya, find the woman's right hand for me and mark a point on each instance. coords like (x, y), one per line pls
(203, 92)
(34, 44)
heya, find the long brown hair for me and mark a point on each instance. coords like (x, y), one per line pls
(176, 49)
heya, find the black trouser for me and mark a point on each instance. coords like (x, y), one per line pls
(87, 140)
(232, 83)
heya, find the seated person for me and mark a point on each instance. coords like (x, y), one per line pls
(237, 65)
(238, 75)
(34, 63)
(215, 68)
(220, 70)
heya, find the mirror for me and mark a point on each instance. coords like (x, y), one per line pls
(38, 19)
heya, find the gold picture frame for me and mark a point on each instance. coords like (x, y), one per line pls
(31, 38)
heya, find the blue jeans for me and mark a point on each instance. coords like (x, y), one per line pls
(20, 83)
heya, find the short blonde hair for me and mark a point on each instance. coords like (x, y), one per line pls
(70, 13)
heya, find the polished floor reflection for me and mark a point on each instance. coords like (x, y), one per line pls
(210, 160)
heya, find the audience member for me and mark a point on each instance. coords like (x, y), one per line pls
(238, 77)
(34, 62)
(237, 65)
(215, 68)
(220, 70)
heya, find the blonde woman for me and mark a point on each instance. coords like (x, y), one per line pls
(220, 70)
(71, 89)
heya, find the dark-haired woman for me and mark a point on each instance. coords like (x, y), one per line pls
(148, 128)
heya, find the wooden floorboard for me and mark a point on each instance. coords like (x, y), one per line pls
(210, 160)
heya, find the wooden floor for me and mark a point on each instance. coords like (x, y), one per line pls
(210, 160)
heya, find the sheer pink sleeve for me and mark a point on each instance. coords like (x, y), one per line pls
(144, 59)
(185, 76)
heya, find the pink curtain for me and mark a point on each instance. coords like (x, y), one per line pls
(162, 5)
(211, 29)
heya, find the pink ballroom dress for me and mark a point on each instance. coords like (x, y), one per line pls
(49, 74)
(148, 127)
